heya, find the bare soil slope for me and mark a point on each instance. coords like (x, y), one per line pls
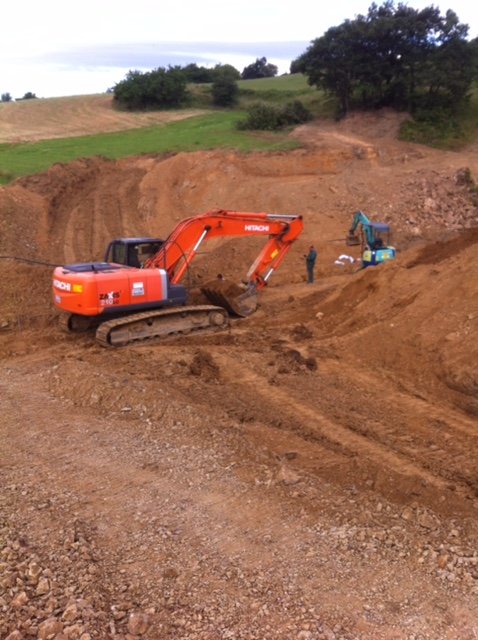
(310, 473)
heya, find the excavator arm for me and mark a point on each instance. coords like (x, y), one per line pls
(371, 231)
(359, 219)
(180, 248)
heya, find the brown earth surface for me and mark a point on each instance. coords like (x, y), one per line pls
(310, 473)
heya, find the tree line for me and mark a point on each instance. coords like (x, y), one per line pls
(7, 97)
(168, 87)
(394, 56)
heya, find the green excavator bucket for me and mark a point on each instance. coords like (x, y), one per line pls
(352, 240)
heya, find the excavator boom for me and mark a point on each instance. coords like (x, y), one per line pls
(180, 248)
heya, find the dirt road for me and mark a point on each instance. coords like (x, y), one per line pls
(309, 473)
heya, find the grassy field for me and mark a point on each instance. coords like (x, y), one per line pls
(217, 129)
(277, 90)
(212, 131)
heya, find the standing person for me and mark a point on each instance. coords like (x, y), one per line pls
(310, 259)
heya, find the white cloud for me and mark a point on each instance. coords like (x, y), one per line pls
(54, 48)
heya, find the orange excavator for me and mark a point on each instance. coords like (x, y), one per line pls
(136, 293)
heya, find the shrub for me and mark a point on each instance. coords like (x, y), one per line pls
(269, 118)
(435, 127)
(224, 91)
(160, 89)
(295, 113)
(261, 116)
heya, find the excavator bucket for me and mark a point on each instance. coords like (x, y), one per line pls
(352, 240)
(236, 300)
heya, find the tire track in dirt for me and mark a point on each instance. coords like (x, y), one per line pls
(338, 447)
(172, 524)
(87, 203)
(439, 438)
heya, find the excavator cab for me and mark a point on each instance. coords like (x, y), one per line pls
(380, 235)
(378, 248)
(132, 252)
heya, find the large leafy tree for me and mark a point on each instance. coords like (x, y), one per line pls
(393, 56)
(197, 74)
(226, 70)
(259, 69)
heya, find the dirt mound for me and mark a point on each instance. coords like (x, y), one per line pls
(307, 472)
(418, 314)
(204, 366)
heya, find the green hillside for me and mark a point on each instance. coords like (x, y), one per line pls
(217, 129)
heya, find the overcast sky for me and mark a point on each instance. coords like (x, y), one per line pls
(58, 48)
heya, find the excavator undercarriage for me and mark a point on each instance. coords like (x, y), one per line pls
(227, 298)
(161, 323)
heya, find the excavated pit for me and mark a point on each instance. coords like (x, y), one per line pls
(308, 472)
